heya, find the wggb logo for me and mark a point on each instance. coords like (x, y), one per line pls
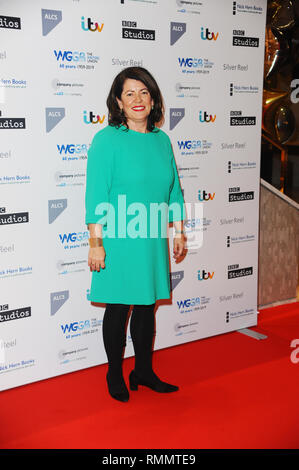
(70, 56)
(188, 303)
(195, 65)
(75, 326)
(72, 238)
(190, 62)
(72, 149)
(194, 147)
(191, 224)
(79, 60)
(189, 144)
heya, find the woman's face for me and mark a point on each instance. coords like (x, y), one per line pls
(135, 101)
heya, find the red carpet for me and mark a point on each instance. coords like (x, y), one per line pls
(235, 392)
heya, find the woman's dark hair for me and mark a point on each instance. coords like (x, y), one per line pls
(116, 117)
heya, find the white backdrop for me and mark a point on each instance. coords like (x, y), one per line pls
(57, 62)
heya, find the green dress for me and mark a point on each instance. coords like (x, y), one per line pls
(130, 175)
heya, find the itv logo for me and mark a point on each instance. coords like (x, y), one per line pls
(203, 275)
(205, 34)
(205, 117)
(90, 26)
(92, 118)
(204, 196)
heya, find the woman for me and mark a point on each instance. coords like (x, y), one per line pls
(131, 168)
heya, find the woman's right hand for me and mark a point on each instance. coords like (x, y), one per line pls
(96, 258)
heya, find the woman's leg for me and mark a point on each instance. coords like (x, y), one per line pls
(142, 328)
(114, 336)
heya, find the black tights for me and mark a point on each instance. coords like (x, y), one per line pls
(142, 331)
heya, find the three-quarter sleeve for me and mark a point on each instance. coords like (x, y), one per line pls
(99, 173)
(176, 204)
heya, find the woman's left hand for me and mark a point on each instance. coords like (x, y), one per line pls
(178, 245)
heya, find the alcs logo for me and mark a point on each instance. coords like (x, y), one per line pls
(89, 26)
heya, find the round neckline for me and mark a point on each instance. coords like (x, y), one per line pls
(135, 132)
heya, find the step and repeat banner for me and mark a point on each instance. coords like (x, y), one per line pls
(58, 59)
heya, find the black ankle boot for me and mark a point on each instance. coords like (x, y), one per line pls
(153, 382)
(117, 388)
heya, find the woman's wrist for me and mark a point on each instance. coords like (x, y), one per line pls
(95, 242)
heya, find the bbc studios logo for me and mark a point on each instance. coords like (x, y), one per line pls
(12, 123)
(234, 271)
(15, 314)
(13, 217)
(10, 22)
(237, 119)
(130, 31)
(239, 39)
(236, 195)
